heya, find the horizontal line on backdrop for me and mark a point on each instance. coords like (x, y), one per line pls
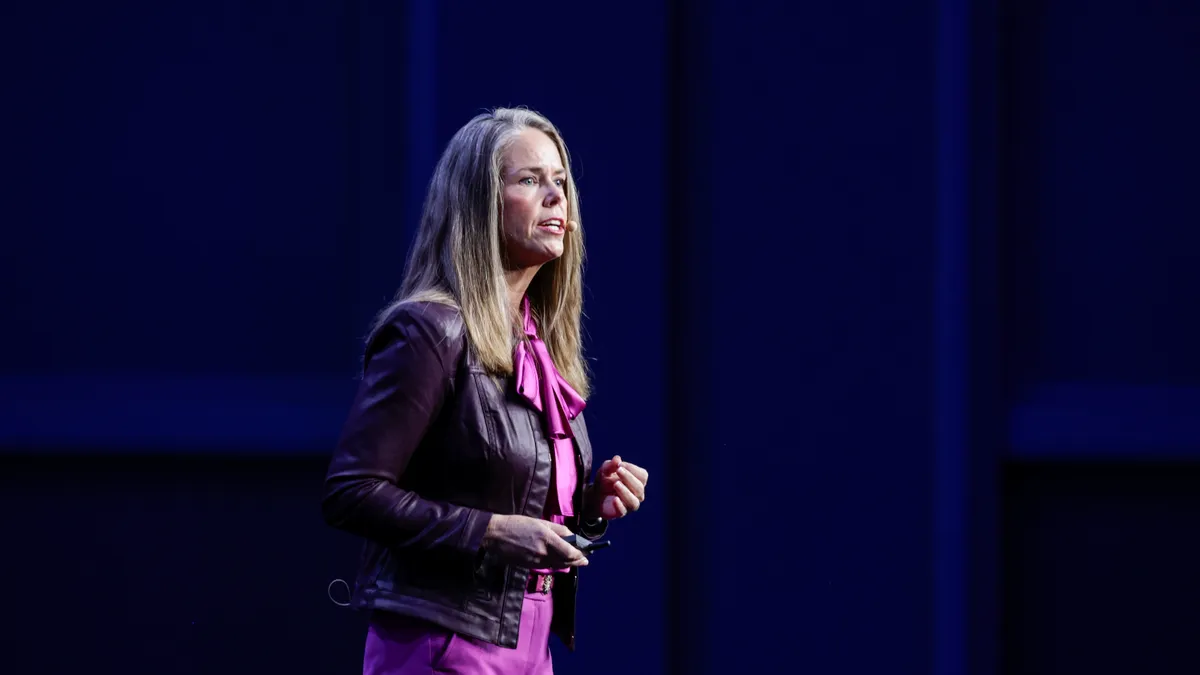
(173, 414)
(1065, 421)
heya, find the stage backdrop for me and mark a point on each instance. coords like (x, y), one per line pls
(895, 300)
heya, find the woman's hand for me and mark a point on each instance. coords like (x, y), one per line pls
(620, 489)
(531, 542)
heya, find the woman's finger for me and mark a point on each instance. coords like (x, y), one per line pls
(629, 499)
(631, 481)
(617, 506)
(608, 468)
(565, 552)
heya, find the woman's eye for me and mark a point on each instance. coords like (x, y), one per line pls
(528, 180)
(560, 182)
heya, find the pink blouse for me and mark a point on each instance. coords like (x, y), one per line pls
(540, 382)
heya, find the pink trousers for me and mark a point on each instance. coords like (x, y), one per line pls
(399, 645)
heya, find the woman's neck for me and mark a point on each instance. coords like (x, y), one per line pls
(518, 284)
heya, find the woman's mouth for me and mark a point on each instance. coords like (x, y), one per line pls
(552, 225)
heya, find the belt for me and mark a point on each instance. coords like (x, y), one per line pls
(539, 583)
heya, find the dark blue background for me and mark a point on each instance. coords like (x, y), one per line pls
(895, 300)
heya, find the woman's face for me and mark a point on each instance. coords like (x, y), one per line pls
(535, 204)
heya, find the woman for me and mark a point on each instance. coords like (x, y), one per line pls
(465, 456)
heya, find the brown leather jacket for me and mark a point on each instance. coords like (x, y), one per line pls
(434, 446)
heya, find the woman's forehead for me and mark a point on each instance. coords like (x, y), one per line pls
(531, 149)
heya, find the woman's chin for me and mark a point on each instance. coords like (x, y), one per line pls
(549, 253)
(534, 259)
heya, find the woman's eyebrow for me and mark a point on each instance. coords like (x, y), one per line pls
(542, 170)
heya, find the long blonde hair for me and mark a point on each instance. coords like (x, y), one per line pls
(457, 256)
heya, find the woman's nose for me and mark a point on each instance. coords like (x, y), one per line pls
(554, 196)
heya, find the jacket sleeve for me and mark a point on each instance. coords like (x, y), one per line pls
(595, 527)
(407, 378)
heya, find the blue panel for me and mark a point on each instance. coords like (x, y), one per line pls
(821, 197)
(421, 147)
(381, 141)
(1103, 145)
(176, 189)
(952, 448)
(1077, 421)
(233, 219)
